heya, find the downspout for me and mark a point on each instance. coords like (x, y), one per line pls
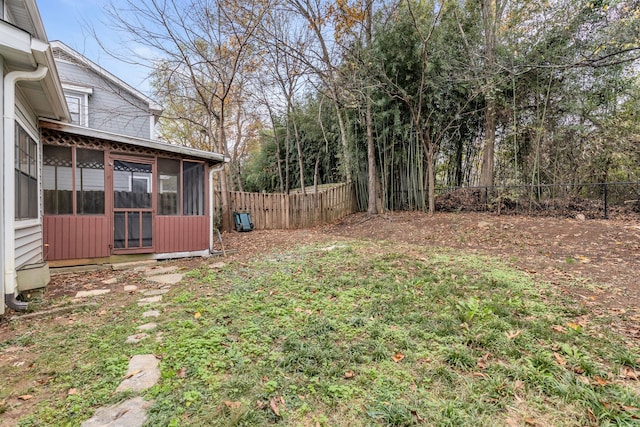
(2, 182)
(211, 215)
(8, 225)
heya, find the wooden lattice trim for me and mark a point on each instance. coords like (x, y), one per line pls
(53, 137)
(61, 138)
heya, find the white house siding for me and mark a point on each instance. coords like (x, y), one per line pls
(111, 108)
(28, 245)
(28, 233)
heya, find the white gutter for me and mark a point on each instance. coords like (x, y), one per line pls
(211, 216)
(8, 224)
(1, 184)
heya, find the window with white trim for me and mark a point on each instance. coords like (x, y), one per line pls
(26, 170)
(77, 109)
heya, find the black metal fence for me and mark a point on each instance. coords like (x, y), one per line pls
(593, 200)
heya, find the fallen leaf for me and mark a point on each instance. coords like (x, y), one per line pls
(530, 421)
(573, 326)
(601, 381)
(232, 405)
(480, 375)
(558, 328)
(126, 377)
(273, 404)
(72, 391)
(25, 397)
(592, 417)
(628, 373)
(197, 315)
(559, 359)
(629, 408)
(182, 372)
(349, 374)
(397, 357)
(511, 334)
(511, 422)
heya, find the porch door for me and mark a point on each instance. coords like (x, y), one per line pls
(133, 215)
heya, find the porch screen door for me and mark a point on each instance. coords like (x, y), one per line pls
(132, 205)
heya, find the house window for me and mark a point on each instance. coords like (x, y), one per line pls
(57, 180)
(89, 182)
(26, 185)
(193, 188)
(77, 103)
(168, 186)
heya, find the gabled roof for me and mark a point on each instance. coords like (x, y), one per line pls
(75, 57)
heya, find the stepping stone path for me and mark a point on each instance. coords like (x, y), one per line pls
(143, 371)
(167, 279)
(92, 293)
(130, 413)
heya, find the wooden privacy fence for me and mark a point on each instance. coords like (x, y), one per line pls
(295, 210)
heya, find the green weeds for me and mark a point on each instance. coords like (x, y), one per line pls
(357, 334)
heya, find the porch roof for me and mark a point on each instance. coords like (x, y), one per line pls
(212, 158)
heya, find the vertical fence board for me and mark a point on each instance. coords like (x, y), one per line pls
(289, 211)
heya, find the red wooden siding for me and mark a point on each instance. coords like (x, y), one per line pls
(75, 237)
(181, 233)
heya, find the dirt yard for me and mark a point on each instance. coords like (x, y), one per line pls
(596, 262)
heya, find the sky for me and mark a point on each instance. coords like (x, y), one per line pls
(73, 22)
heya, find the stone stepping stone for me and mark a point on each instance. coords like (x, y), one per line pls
(151, 313)
(147, 327)
(166, 279)
(135, 339)
(111, 281)
(154, 292)
(92, 293)
(143, 373)
(217, 265)
(130, 413)
(130, 288)
(160, 270)
(149, 300)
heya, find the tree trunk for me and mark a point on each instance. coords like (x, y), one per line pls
(432, 182)
(346, 156)
(300, 159)
(372, 207)
(491, 12)
(224, 185)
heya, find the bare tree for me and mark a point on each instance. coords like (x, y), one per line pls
(203, 45)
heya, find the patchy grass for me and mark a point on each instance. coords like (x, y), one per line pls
(352, 334)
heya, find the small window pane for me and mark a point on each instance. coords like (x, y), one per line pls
(131, 185)
(133, 220)
(26, 175)
(168, 185)
(193, 188)
(57, 182)
(89, 182)
(119, 220)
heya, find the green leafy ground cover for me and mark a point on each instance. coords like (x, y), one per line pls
(353, 334)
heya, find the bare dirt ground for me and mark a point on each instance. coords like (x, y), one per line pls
(595, 262)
